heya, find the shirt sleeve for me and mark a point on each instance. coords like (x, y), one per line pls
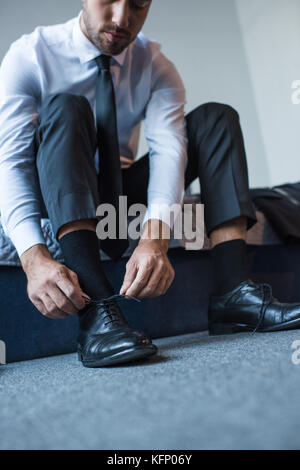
(167, 142)
(19, 200)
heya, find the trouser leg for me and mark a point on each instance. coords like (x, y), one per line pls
(216, 154)
(66, 145)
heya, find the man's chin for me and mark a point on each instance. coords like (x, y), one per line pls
(111, 48)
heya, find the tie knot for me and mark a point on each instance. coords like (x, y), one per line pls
(103, 62)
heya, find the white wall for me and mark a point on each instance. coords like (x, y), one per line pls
(18, 17)
(204, 40)
(271, 31)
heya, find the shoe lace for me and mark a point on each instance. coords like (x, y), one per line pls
(266, 292)
(111, 306)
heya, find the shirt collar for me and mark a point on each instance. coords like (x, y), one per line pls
(85, 49)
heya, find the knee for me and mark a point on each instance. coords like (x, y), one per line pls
(68, 106)
(217, 109)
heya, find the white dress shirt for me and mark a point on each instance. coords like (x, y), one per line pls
(59, 58)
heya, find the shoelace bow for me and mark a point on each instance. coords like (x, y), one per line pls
(112, 306)
(266, 292)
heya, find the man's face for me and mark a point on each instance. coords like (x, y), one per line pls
(125, 17)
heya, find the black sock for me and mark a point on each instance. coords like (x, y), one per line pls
(230, 265)
(81, 253)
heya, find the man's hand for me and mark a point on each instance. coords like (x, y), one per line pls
(149, 272)
(51, 287)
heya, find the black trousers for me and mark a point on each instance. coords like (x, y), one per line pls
(66, 144)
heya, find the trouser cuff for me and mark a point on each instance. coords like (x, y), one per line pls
(71, 207)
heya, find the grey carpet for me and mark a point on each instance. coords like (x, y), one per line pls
(237, 392)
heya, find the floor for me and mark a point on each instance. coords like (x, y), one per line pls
(200, 392)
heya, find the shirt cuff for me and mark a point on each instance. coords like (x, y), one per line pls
(162, 210)
(26, 235)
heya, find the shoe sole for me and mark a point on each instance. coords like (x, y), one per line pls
(216, 329)
(121, 357)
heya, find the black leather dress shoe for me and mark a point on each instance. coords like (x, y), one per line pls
(251, 307)
(106, 339)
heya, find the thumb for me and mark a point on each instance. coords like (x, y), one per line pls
(128, 279)
(86, 298)
(80, 297)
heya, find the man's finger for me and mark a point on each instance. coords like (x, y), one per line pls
(168, 284)
(165, 286)
(141, 279)
(129, 278)
(51, 308)
(154, 285)
(72, 290)
(61, 301)
(40, 306)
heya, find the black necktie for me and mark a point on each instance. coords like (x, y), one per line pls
(110, 175)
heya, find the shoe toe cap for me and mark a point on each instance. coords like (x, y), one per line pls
(122, 341)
